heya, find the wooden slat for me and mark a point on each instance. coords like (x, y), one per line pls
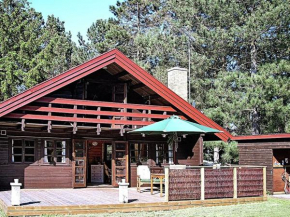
(74, 119)
(92, 112)
(104, 104)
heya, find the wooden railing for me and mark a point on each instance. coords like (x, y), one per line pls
(117, 115)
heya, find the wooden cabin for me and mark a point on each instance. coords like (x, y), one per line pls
(272, 151)
(71, 130)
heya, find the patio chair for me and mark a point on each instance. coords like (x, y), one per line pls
(143, 176)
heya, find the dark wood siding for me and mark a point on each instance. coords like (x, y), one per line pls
(260, 153)
(133, 174)
(34, 175)
(48, 177)
(3, 150)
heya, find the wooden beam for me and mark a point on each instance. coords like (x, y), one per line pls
(121, 74)
(22, 124)
(93, 112)
(136, 86)
(75, 128)
(99, 129)
(80, 120)
(153, 96)
(49, 125)
(102, 81)
(104, 104)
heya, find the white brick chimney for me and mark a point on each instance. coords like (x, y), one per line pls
(178, 82)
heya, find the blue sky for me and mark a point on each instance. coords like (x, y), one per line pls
(78, 15)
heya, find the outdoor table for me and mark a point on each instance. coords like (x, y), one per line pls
(159, 176)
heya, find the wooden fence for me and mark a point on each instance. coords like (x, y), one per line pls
(199, 183)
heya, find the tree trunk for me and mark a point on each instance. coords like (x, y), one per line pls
(216, 155)
(253, 57)
(255, 122)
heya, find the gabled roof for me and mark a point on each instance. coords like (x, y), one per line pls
(104, 60)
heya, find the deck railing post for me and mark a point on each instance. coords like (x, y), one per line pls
(166, 184)
(264, 182)
(235, 180)
(202, 183)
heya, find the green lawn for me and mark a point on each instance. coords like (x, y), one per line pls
(273, 207)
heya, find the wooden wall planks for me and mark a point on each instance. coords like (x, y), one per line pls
(261, 154)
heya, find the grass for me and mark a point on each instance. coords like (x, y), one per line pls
(274, 207)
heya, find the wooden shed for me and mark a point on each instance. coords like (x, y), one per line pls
(71, 130)
(272, 151)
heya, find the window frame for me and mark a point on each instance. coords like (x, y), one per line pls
(151, 151)
(138, 152)
(23, 149)
(55, 156)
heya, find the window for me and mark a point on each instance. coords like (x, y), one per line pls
(23, 151)
(138, 152)
(164, 153)
(54, 151)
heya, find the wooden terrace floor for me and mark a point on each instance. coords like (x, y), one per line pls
(82, 196)
(98, 200)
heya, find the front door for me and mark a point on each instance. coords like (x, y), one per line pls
(120, 162)
(79, 163)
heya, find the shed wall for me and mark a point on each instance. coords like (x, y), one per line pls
(260, 153)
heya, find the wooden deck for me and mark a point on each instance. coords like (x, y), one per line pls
(90, 200)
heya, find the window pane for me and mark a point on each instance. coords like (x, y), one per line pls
(50, 152)
(79, 145)
(50, 159)
(58, 144)
(29, 159)
(45, 159)
(29, 150)
(17, 151)
(79, 179)
(63, 143)
(63, 159)
(49, 144)
(17, 159)
(59, 152)
(79, 153)
(59, 159)
(143, 153)
(17, 143)
(29, 143)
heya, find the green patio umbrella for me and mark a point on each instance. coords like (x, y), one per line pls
(174, 126)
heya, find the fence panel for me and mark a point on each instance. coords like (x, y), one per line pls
(218, 183)
(250, 182)
(184, 184)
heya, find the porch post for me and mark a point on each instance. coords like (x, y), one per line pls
(202, 183)
(235, 180)
(264, 182)
(166, 184)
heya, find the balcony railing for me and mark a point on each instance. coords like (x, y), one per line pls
(114, 115)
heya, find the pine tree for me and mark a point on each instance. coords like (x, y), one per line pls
(230, 45)
(31, 50)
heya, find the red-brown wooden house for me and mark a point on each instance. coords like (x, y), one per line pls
(61, 133)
